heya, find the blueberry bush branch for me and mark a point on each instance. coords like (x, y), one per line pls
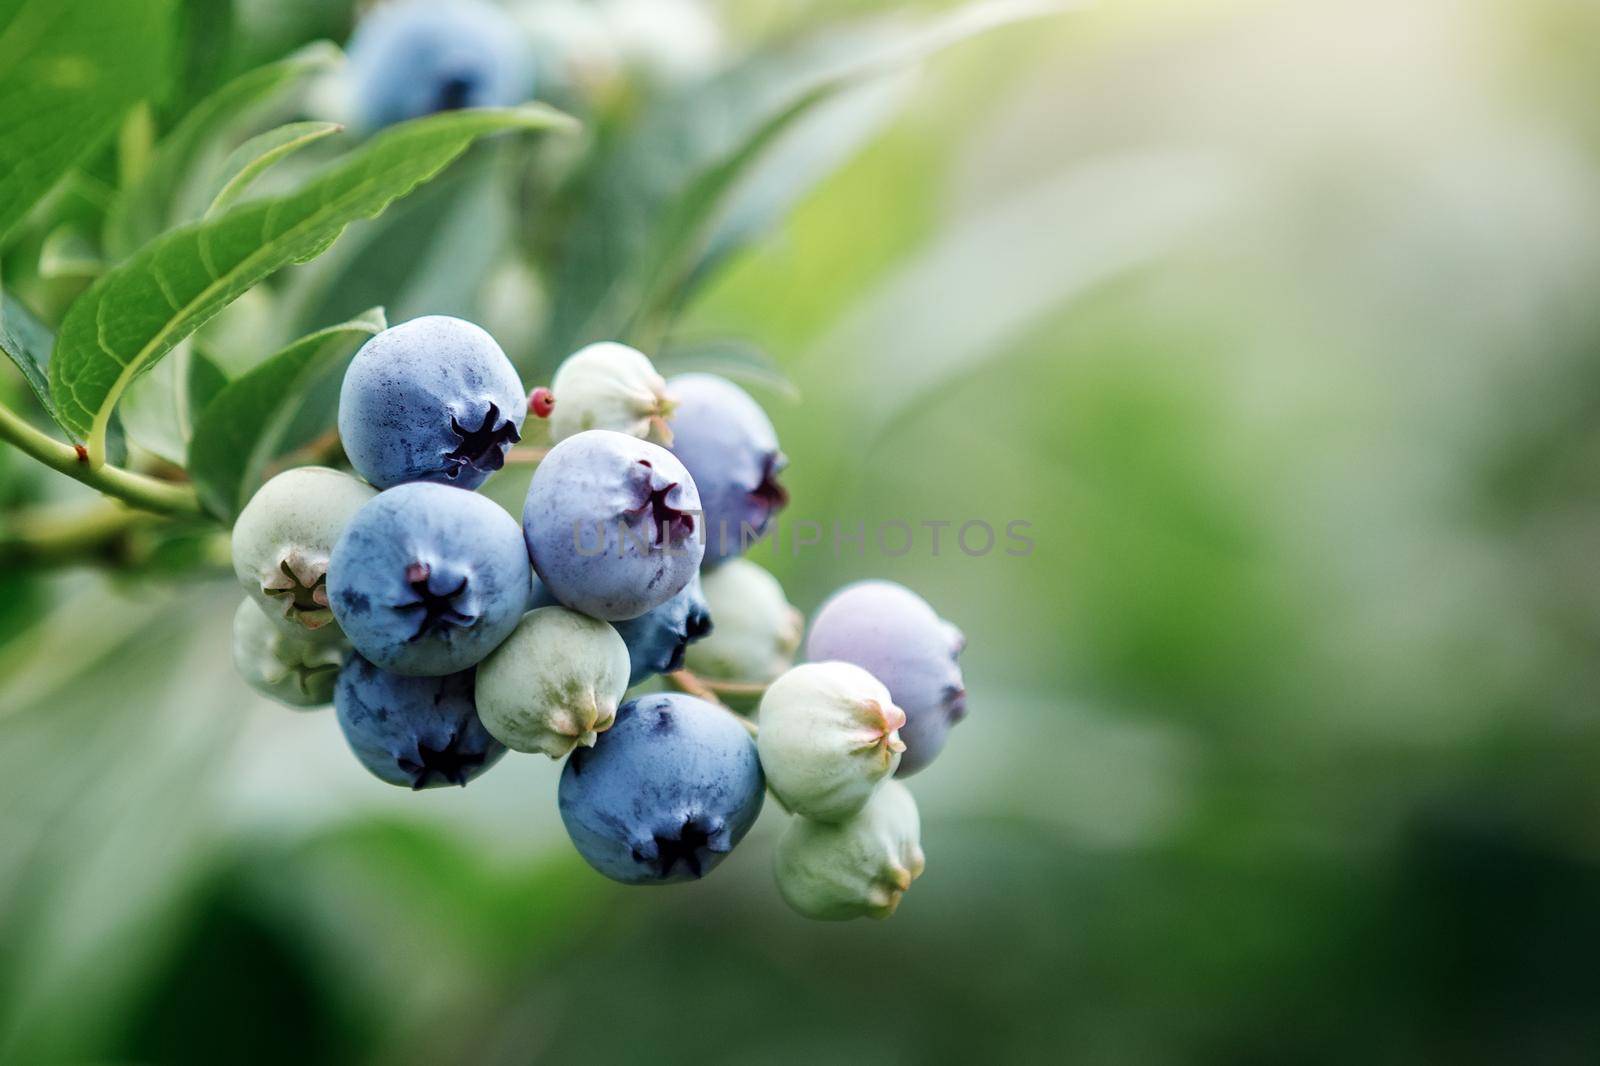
(102, 532)
(137, 490)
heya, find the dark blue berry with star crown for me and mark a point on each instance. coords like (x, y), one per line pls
(419, 732)
(665, 794)
(432, 399)
(428, 580)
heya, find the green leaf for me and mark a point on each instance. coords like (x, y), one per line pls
(160, 410)
(24, 597)
(146, 207)
(69, 252)
(242, 429)
(27, 341)
(138, 312)
(816, 146)
(729, 357)
(149, 412)
(645, 221)
(430, 254)
(205, 384)
(255, 156)
(69, 71)
(204, 52)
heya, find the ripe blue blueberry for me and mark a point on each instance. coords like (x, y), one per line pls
(611, 523)
(665, 793)
(432, 399)
(412, 58)
(657, 639)
(727, 443)
(420, 732)
(893, 633)
(427, 579)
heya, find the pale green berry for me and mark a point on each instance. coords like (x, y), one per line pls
(554, 684)
(665, 42)
(755, 631)
(828, 739)
(572, 45)
(283, 538)
(610, 386)
(293, 671)
(856, 868)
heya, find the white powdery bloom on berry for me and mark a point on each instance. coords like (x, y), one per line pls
(610, 386)
(828, 739)
(755, 630)
(295, 672)
(858, 868)
(554, 684)
(611, 523)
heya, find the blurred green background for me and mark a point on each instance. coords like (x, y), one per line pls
(1278, 323)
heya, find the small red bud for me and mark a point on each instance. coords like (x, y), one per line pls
(83, 453)
(541, 402)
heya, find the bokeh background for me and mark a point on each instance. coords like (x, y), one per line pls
(1276, 320)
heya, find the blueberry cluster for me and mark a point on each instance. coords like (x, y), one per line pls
(445, 632)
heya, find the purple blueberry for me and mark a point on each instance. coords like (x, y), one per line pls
(665, 793)
(893, 633)
(420, 732)
(433, 399)
(427, 580)
(413, 58)
(657, 639)
(612, 525)
(728, 444)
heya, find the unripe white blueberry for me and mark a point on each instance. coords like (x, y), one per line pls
(283, 538)
(857, 868)
(554, 684)
(667, 42)
(755, 631)
(610, 386)
(572, 46)
(828, 739)
(292, 670)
